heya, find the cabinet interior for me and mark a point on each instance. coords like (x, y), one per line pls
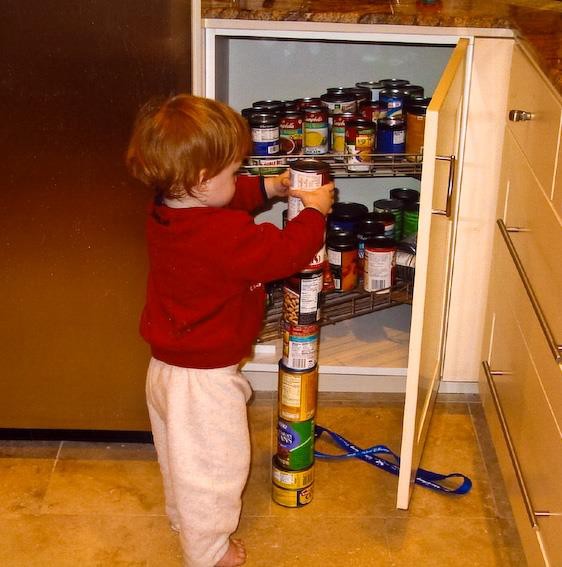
(248, 69)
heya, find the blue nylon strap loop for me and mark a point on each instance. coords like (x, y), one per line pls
(371, 455)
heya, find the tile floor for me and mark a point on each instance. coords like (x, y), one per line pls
(97, 504)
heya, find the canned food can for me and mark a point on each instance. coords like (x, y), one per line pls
(416, 110)
(411, 219)
(369, 227)
(338, 131)
(290, 132)
(389, 223)
(306, 175)
(339, 102)
(315, 128)
(346, 216)
(373, 110)
(373, 86)
(394, 83)
(394, 100)
(359, 144)
(342, 256)
(269, 105)
(297, 393)
(300, 346)
(301, 298)
(295, 444)
(380, 264)
(391, 135)
(292, 498)
(307, 101)
(291, 480)
(394, 207)
(405, 194)
(264, 128)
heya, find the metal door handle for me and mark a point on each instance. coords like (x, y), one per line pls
(510, 447)
(446, 212)
(520, 115)
(553, 346)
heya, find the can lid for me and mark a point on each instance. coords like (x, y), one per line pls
(339, 238)
(274, 104)
(394, 83)
(292, 113)
(417, 104)
(380, 242)
(391, 92)
(412, 90)
(348, 211)
(405, 194)
(338, 96)
(266, 118)
(371, 85)
(391, 122)
(361, 123)
(388, 204)
(370, 226)
(310, 165)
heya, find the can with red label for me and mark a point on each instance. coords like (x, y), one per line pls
(359, 144)
(372, 110)
(379, 264)
(338, 131)
(315, 130)
(291, 132)
(307, 101)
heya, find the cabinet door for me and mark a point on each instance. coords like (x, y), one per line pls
(438, 203)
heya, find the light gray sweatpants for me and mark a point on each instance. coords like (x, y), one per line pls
(200, 428)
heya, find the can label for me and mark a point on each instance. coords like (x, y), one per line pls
(315, 131)
(391, 141)
(291, 134)
(295, 444)
(292, 498)
(297, 393)
(301, 305)
(338, 131)
(291, 480)
(379, 268)
(300, 346)
(305, 181)
(343, 265)
(359, 145)
(265, 141)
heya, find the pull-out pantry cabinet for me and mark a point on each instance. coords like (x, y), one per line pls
(241, 62)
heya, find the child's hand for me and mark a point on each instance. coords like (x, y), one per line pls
(277, 186)
(320, 199)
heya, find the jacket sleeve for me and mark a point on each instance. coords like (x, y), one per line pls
(263, 252)
(250, 193)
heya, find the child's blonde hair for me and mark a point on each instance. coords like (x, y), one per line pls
(176, 139)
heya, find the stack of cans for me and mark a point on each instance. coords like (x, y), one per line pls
(293, 464)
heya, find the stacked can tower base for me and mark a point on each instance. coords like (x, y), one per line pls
(293, 464)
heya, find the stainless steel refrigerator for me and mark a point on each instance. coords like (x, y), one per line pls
(72, 261)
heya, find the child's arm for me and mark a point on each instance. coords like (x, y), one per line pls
(252, 192)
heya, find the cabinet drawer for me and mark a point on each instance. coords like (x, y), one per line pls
(529, 387)
(538, 137)
(539, 244)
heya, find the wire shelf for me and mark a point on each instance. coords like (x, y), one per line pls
(337, 306)
(372, 165)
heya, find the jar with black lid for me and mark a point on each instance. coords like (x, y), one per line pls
(341, 246)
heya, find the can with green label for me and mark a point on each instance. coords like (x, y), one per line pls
(295, 444)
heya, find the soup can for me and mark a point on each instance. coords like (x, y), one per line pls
(339, 102)
(369, 227)
(307, 175)
(374, 86)
(341, 249)
(291, 132)
(396, 208)
(346, 216)
(300, 346)
(295, 444)
(290, 479)
(269, 105)
(292, 498)
(301, 298)
(307, 101)
(391, 135)
(297, 394)
(338, 131)
(264, 128)
(379, 264)
(359, 144)
(315, 130)
(373, 110)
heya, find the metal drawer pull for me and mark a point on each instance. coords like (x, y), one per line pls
(510, 447)
(520, 115)
(554, 347)
(450, 184)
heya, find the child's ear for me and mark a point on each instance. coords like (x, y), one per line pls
(202, 176)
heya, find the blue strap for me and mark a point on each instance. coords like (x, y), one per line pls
(371, 455)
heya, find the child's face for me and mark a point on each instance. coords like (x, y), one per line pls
(220, 189)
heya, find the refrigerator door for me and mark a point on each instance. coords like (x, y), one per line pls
(73, 263)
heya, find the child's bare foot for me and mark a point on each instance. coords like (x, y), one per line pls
(235, 555)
